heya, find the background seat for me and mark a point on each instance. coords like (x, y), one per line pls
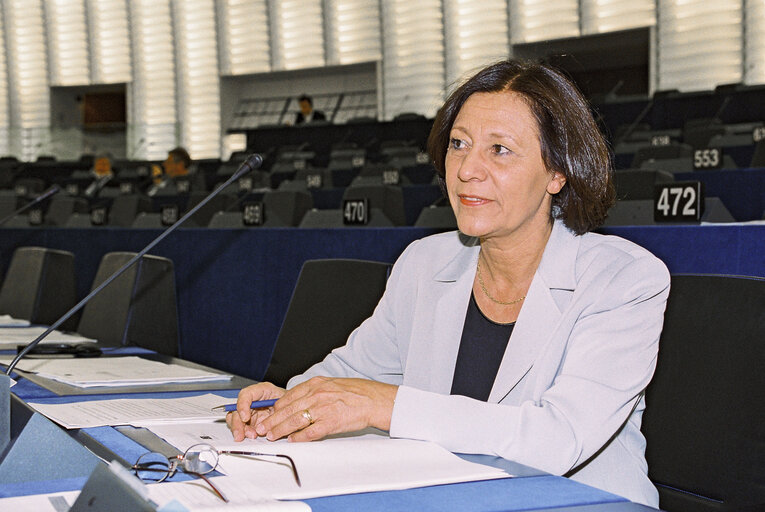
(639, 183)
(388, 198)
(705, 408)
(331, 298)
(39, 285)
(138, 308)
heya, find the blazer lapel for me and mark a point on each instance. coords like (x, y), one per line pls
(452, 286)
(540, 313)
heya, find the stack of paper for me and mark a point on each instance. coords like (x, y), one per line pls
(131, 411)
(342, 465)
(195, 495)
(9, 321)
(116, 372)
(11, 337)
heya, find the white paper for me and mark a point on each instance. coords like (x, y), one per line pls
(53, 502)
(332, 466)
(129, 411)
(11, 337)
(9, 321)
(242, 494)
(193, 495)
(116, 371)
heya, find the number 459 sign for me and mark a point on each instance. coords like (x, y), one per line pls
(682, 201)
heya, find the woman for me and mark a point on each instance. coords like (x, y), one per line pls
(522, 335)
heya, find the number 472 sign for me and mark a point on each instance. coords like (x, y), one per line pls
(681, 201)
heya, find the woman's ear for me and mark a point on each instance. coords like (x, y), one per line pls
(556, 183)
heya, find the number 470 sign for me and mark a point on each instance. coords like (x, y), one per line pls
(681, 201)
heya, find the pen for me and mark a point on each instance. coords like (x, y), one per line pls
(254, 405)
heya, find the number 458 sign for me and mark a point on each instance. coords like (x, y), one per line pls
(682, 201)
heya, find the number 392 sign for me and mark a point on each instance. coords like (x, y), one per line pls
(681, 201)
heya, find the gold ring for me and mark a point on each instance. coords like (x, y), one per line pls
(307, 415)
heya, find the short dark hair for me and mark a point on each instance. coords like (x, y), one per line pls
(305, 97)
(570, 140)
(180, 154)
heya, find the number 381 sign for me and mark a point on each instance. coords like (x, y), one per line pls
(681, 201)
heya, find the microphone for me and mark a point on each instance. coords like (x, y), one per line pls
(54, 189)
(252, 162)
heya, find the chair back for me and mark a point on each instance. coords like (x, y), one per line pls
(331, 298)
(138, 308)
(39, 285)
(704, 421)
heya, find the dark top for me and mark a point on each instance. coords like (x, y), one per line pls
(318, 115)
(482, 346)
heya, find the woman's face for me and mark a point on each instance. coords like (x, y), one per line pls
(497, 182)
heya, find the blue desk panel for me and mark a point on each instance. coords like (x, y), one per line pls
(234, 286)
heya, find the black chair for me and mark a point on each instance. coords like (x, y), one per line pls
(331, 298)
(227, 220)
(669, 152)
(705, 408)
(639, 212)
(758, 157)
(39, 285)
(138, 308)
(284, 208)
(62, 207)
(639, 183)
(317, 219)
(124, 209)
(441, 217)
(388, 198)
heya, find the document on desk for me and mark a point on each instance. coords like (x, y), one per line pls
(9, 321)
(116, 372)
(11, 337)
(192, 496)
(131, 411)
(343, 465)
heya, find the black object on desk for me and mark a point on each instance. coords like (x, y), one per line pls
(86, 349)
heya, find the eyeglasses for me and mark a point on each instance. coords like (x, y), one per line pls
(199, 460)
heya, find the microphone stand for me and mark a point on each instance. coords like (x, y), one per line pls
(55, 189)
(253, 161)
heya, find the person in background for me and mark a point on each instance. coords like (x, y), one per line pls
(307, 114)
(524, 334)
(174, 168)
(102, 174)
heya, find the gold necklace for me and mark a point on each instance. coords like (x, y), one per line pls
(486, 292)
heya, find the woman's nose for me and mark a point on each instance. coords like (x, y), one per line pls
(472, 166)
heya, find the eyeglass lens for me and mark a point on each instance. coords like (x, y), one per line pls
(200, 458)
(152, 467)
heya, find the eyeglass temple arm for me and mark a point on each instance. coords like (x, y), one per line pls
(169, 471)
(256, 454)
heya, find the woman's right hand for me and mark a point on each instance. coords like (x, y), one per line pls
(242, 422)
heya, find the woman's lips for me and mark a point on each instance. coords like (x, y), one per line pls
(472, 200)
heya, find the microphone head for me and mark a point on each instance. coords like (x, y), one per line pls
(250, 164)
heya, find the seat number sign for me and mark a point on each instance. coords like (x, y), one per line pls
(682, 201)
(252, 214)
(355, 212)
(709, 158)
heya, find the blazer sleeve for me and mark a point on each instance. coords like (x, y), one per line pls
(609, 359)
(373, 350)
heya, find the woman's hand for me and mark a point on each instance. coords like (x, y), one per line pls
(322, 406)
(242, 422)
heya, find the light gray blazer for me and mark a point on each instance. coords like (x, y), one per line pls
(568, 397)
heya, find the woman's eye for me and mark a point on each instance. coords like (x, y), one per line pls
(499, 149)
(456, 143)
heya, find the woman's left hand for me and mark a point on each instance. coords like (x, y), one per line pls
(322, 406)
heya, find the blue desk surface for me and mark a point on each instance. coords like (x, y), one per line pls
(531, 491)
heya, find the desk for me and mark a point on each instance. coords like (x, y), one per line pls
(530, 491)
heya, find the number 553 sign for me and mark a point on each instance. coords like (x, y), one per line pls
(681, 201)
